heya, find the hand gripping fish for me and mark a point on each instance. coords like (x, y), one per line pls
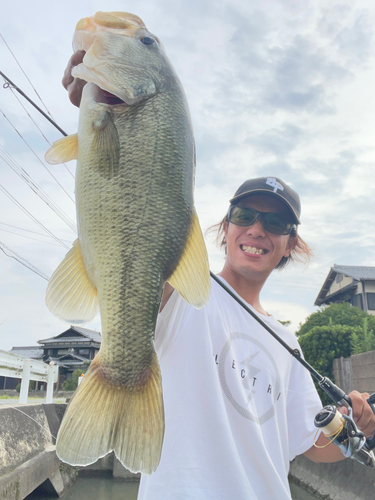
(137, 229)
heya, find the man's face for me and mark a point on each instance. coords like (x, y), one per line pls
(252, 251)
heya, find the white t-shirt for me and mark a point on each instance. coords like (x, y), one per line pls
(238, 406)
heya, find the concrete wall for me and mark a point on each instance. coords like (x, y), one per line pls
(346, 480)
(27, 450)
(28, 458)
(356, 372)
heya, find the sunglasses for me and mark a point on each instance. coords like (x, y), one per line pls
(273, 223)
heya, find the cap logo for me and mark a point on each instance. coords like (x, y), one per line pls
(271, 181)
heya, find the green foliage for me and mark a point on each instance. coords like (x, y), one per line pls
(324, 343)
(337, 314)
(355, 344)
(285, 323)
(18, 388)
(71, 384)
(363, 342)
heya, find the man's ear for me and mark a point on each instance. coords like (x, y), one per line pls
(292, 243)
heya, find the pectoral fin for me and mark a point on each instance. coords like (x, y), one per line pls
(191, 278)
(105, 147)
(63, 150)
(70, 294)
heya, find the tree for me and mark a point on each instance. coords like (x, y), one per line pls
(71, 384)
(285, 323)
(337, 314)
(324, 343)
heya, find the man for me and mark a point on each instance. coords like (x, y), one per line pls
(238, 406)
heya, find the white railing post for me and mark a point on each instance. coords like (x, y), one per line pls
(50, 381)
(24, 392)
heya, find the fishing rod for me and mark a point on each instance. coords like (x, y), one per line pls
(340, 428)
(9, 84)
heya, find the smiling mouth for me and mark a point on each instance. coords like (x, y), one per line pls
(253, 250)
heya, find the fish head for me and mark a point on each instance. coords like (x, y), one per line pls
(122, 58)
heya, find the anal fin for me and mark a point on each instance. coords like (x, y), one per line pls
(191, 278)
(70, 294)
(63, 150)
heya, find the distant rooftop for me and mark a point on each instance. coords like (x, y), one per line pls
(71, 334)
(357, 273)
(33, 352)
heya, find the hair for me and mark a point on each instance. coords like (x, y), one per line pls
(301, 252)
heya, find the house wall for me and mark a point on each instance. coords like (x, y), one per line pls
(337, 286)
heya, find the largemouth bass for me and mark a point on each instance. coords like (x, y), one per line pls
(137, 229)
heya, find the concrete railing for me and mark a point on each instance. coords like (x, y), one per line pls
(26, 369)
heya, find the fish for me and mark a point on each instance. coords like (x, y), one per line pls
(137, 230)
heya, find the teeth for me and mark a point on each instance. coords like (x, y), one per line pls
(258, 251)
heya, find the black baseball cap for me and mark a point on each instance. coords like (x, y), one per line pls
(272, 186)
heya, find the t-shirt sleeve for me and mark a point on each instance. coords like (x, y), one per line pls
(303, 404)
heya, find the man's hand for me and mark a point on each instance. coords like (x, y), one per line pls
(363, 417)
(74, 86)
(362, 413)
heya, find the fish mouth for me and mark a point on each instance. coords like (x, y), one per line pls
(104, 97)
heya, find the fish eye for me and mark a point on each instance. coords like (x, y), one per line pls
(148, 40)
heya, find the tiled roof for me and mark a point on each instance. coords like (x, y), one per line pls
(85, 332)
(33, 352)
(356, 272)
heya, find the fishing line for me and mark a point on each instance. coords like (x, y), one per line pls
(33, 419)
(363, 454)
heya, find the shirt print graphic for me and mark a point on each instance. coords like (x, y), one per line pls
(249, 377)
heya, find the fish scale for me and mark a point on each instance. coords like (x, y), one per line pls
(137, 229)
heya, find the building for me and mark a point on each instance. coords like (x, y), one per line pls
(72, 349)
(75, 348)
(353, 284)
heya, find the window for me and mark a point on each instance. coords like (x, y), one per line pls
(60, 352)
(371, 301)
(83, 351)
(356, 301)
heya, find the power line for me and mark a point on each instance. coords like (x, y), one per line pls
(36, 156)
(21, 260)
(35, 188)
(2, 188)
(31, 118)
(28, 79)
(30, 237)
(29, 231)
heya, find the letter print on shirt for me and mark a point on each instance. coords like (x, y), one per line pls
(249, 377)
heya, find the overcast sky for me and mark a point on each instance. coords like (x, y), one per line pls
(276, 88)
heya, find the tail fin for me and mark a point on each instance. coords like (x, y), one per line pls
(102, 417)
